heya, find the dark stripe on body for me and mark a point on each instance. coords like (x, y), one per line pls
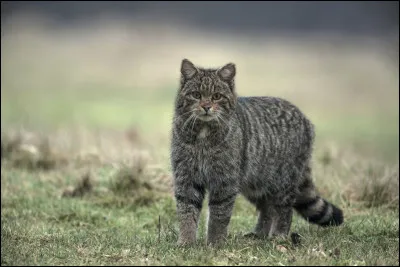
(217, 202)
(244, 125)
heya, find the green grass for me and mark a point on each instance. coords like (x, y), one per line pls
(40, 228)
(85, 99)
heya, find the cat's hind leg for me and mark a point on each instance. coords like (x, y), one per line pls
(267, 218)
(272, 221)
(282, 222)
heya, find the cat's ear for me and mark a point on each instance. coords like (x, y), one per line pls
(188, 69)
(227, 72)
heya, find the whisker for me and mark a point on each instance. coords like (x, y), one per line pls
(180, 115)
(219, 116)
(194, 122)
(188, 120)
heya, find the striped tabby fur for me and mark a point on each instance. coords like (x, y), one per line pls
(227, 145)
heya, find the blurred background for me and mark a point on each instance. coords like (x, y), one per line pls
(88, 71)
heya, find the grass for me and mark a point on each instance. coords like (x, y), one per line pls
(85, 176)
(104, 227)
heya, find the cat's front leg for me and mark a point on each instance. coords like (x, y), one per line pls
(221, 202)
(189, 199)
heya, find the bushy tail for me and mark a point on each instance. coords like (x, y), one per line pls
(315, 209)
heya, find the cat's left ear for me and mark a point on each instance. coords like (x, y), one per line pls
(227, 72)
(188, 69)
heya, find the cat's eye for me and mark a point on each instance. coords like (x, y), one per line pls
(216, 96)
(196, 95)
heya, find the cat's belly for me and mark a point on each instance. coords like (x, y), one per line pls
(267, 177)
(258, 186)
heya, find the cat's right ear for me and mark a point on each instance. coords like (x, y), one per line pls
(188, 69)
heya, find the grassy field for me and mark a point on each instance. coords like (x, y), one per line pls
(86, 117)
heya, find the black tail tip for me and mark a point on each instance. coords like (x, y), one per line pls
(336, 219)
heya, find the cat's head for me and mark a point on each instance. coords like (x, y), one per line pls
(207, 94)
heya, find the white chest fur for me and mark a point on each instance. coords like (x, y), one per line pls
(203, 133)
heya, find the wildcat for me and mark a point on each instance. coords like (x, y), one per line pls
(259, 147)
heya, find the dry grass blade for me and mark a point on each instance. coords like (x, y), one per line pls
(376, 186)
(29, 151)
(130, 177)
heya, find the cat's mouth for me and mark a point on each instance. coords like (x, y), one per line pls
(206, 117)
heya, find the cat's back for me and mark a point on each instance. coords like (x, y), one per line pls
(275, 120)
(274, 110)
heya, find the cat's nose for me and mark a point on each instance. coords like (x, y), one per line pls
(206, 108)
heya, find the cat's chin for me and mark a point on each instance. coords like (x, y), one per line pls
(206, 118)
